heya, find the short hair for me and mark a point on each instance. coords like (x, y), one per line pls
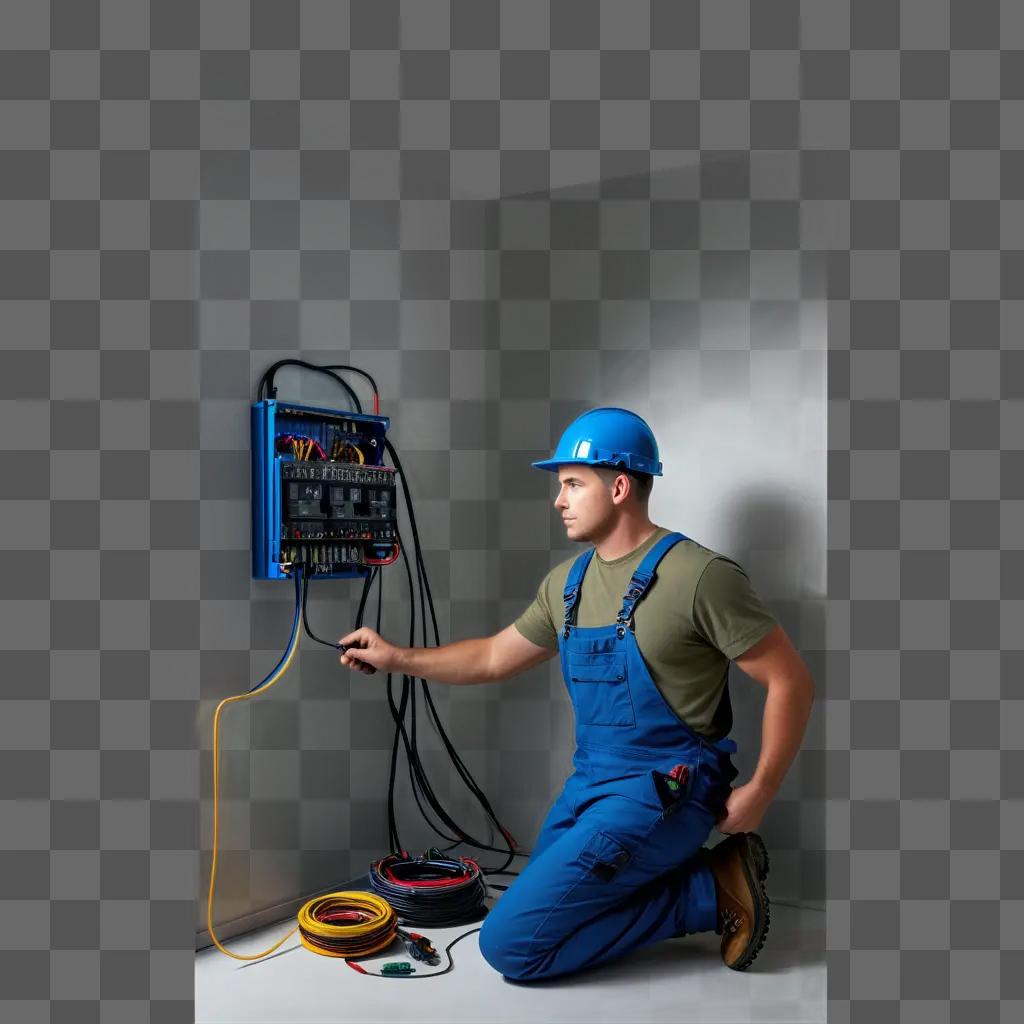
(642, 482)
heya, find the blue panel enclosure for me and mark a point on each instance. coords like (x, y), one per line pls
(320, 492)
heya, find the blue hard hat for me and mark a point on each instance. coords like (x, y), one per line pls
(607, 437)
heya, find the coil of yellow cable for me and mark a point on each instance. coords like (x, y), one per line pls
(346, 924)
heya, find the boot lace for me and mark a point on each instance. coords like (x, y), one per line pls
(730, 920)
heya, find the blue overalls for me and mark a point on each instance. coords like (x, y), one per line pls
(619, 862)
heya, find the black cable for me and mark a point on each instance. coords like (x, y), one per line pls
(418, 776)
(454, 893)
(305, 618)
(367, 582)
(416, 770)
(362, 373)
(309, 366)
(366, 593)
(266, 385)
(415, 764)
(431, 974)
(398, 714)
(453, 754)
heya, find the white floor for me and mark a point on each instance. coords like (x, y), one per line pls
(676, 980)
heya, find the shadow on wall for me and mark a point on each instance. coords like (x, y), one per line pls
(785, 537)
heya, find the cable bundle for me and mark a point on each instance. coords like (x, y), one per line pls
(404, 710)
(430, 889)
(349, 923)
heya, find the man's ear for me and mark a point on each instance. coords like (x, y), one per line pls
(625, 494)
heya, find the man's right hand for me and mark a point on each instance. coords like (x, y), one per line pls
(368, 648)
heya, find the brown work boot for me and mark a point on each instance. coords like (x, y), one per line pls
(740, 863)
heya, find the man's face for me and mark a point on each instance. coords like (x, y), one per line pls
(584, 501)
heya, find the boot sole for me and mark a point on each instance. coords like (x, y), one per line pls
(755, 867)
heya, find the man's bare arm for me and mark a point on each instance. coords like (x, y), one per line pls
(512, 653)
(776, 664)
(476, 660)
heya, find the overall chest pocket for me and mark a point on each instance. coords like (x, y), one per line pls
(600, 689)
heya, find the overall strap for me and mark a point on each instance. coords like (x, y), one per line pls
(573, 582)
(643, 575)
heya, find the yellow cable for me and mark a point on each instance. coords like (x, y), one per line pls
(307, 921)
(383, 916)
(216, 801)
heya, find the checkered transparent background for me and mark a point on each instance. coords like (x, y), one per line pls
(189, 191)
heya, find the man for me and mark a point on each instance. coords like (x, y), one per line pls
(620, 862)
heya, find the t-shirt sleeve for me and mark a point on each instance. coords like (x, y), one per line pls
(727, 611)
(536, 623)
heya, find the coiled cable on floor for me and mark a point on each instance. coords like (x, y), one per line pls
(431, 889)
(344, 924)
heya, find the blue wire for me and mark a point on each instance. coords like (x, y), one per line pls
(297, 573)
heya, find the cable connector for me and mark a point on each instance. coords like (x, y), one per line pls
(398, 967)
(420, 948)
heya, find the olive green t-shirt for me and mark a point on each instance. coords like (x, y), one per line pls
(700, 612)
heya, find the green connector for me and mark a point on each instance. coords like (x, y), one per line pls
(398, 967)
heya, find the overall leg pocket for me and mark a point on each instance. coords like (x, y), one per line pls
(604, 856)
(584, 876)
(674, 786)
(582, 887)
(683, 822)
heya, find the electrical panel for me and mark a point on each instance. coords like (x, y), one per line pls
(320, 492)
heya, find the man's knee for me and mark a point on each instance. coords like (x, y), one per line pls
(505, 950)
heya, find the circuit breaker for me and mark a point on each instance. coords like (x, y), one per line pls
(320, 492)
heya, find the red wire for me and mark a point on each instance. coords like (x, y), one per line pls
(425, 882)
(303, 437)
(432, 882)
(385, 561)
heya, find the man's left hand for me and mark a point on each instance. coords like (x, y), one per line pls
(744, 809)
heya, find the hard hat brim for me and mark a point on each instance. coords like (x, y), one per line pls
(551, 465)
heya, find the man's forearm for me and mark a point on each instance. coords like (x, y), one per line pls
(460, 663)
(786, 710)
